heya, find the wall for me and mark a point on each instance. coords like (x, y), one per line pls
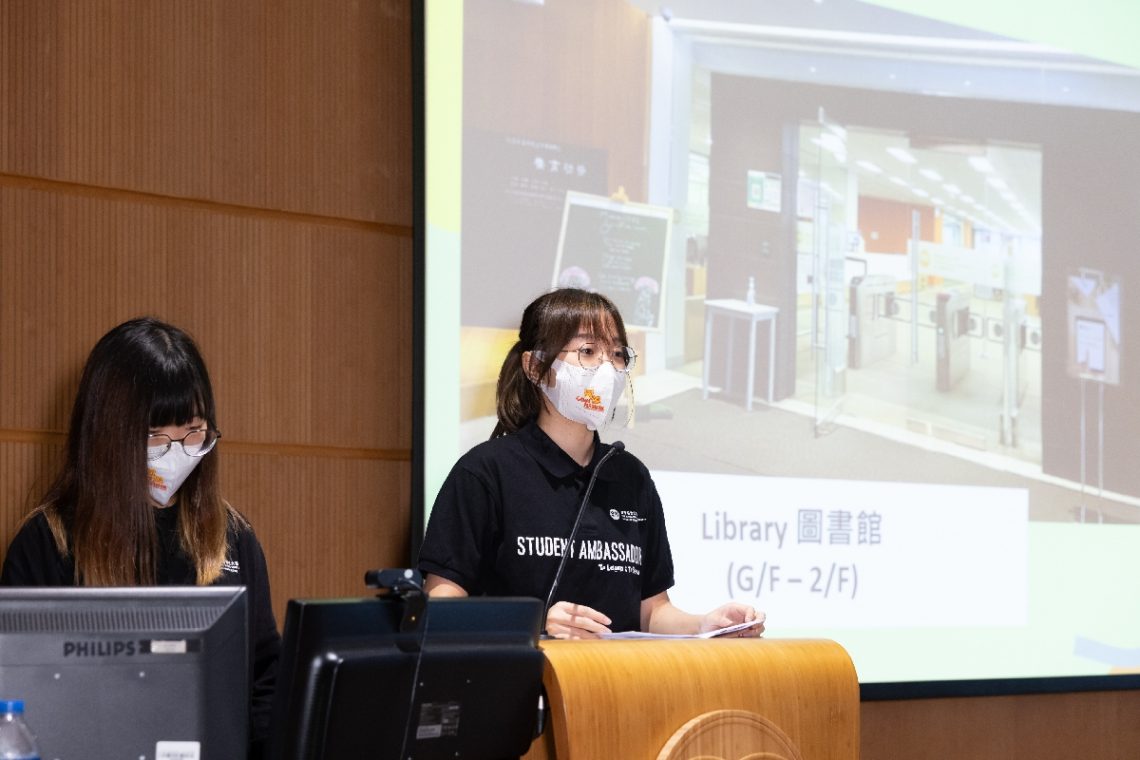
(243, 170)
(749, 135)
(1099, 725)
(885, 225)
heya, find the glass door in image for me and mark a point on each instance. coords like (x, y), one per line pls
(825, 182)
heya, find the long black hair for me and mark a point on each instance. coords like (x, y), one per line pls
(142, 374)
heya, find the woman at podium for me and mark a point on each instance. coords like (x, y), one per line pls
(544, 508)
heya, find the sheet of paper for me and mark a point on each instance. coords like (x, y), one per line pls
(706, 635)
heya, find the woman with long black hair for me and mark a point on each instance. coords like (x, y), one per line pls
(137, 502)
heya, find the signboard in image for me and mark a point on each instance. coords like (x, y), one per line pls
(764, 190)
(514, 189)
(1090, 345)
(1094, 327)
(618, 249)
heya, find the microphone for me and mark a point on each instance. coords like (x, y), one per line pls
(615, 447)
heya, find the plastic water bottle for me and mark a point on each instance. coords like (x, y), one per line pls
(750, 296)
(17, 742)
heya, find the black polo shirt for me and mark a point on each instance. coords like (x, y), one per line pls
(503, 516)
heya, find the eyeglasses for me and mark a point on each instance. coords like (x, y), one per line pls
(196, 443)
(589, 356)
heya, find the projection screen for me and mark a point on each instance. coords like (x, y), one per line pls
(880, 271)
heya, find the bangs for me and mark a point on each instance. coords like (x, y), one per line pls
(603, 325)
(554, 319)
(178, 399)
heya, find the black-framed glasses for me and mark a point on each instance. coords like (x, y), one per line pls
(196, 443)
(589, 356)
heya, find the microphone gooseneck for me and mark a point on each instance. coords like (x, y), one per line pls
(615, 447)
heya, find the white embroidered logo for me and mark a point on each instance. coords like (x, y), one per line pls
(626, 515)
(230, 566)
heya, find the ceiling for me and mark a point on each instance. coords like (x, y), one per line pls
(996, 187)
(847, 43)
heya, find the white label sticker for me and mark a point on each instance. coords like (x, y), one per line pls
(178, 751)
(168, 647)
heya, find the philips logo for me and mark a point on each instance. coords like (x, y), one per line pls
(100, 648)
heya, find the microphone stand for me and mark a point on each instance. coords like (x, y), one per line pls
(615, 447)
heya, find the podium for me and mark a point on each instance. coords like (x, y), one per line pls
(684, 699)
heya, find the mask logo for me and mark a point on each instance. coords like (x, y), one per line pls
(154, 479)
(584, 396)
(591, 401)
(166, 474)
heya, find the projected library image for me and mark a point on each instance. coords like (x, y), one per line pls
(879, 272)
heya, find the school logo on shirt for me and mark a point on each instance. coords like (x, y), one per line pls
(231, 566)
(626, 515)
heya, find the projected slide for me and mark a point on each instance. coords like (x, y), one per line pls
(882, 273)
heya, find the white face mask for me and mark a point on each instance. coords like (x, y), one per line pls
(586, 397)
(167, 473)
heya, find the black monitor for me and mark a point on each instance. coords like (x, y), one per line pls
(137, 673)
(357, 681)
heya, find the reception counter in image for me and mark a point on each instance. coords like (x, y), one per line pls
(678, 699)
(734, 309)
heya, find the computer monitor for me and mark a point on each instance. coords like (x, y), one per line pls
(140, 673)
(464, 681)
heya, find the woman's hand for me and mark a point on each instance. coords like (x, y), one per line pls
(566, 620)
(731, 614)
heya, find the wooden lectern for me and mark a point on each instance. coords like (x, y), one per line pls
(706, 699)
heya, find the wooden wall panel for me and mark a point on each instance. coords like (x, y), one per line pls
(322, 520)
(264, 103)
(1101, 725)
(306, 327)
(244, 171)
(26, 470)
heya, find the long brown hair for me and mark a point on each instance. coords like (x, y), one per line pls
(548, 324)
(141, 375)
